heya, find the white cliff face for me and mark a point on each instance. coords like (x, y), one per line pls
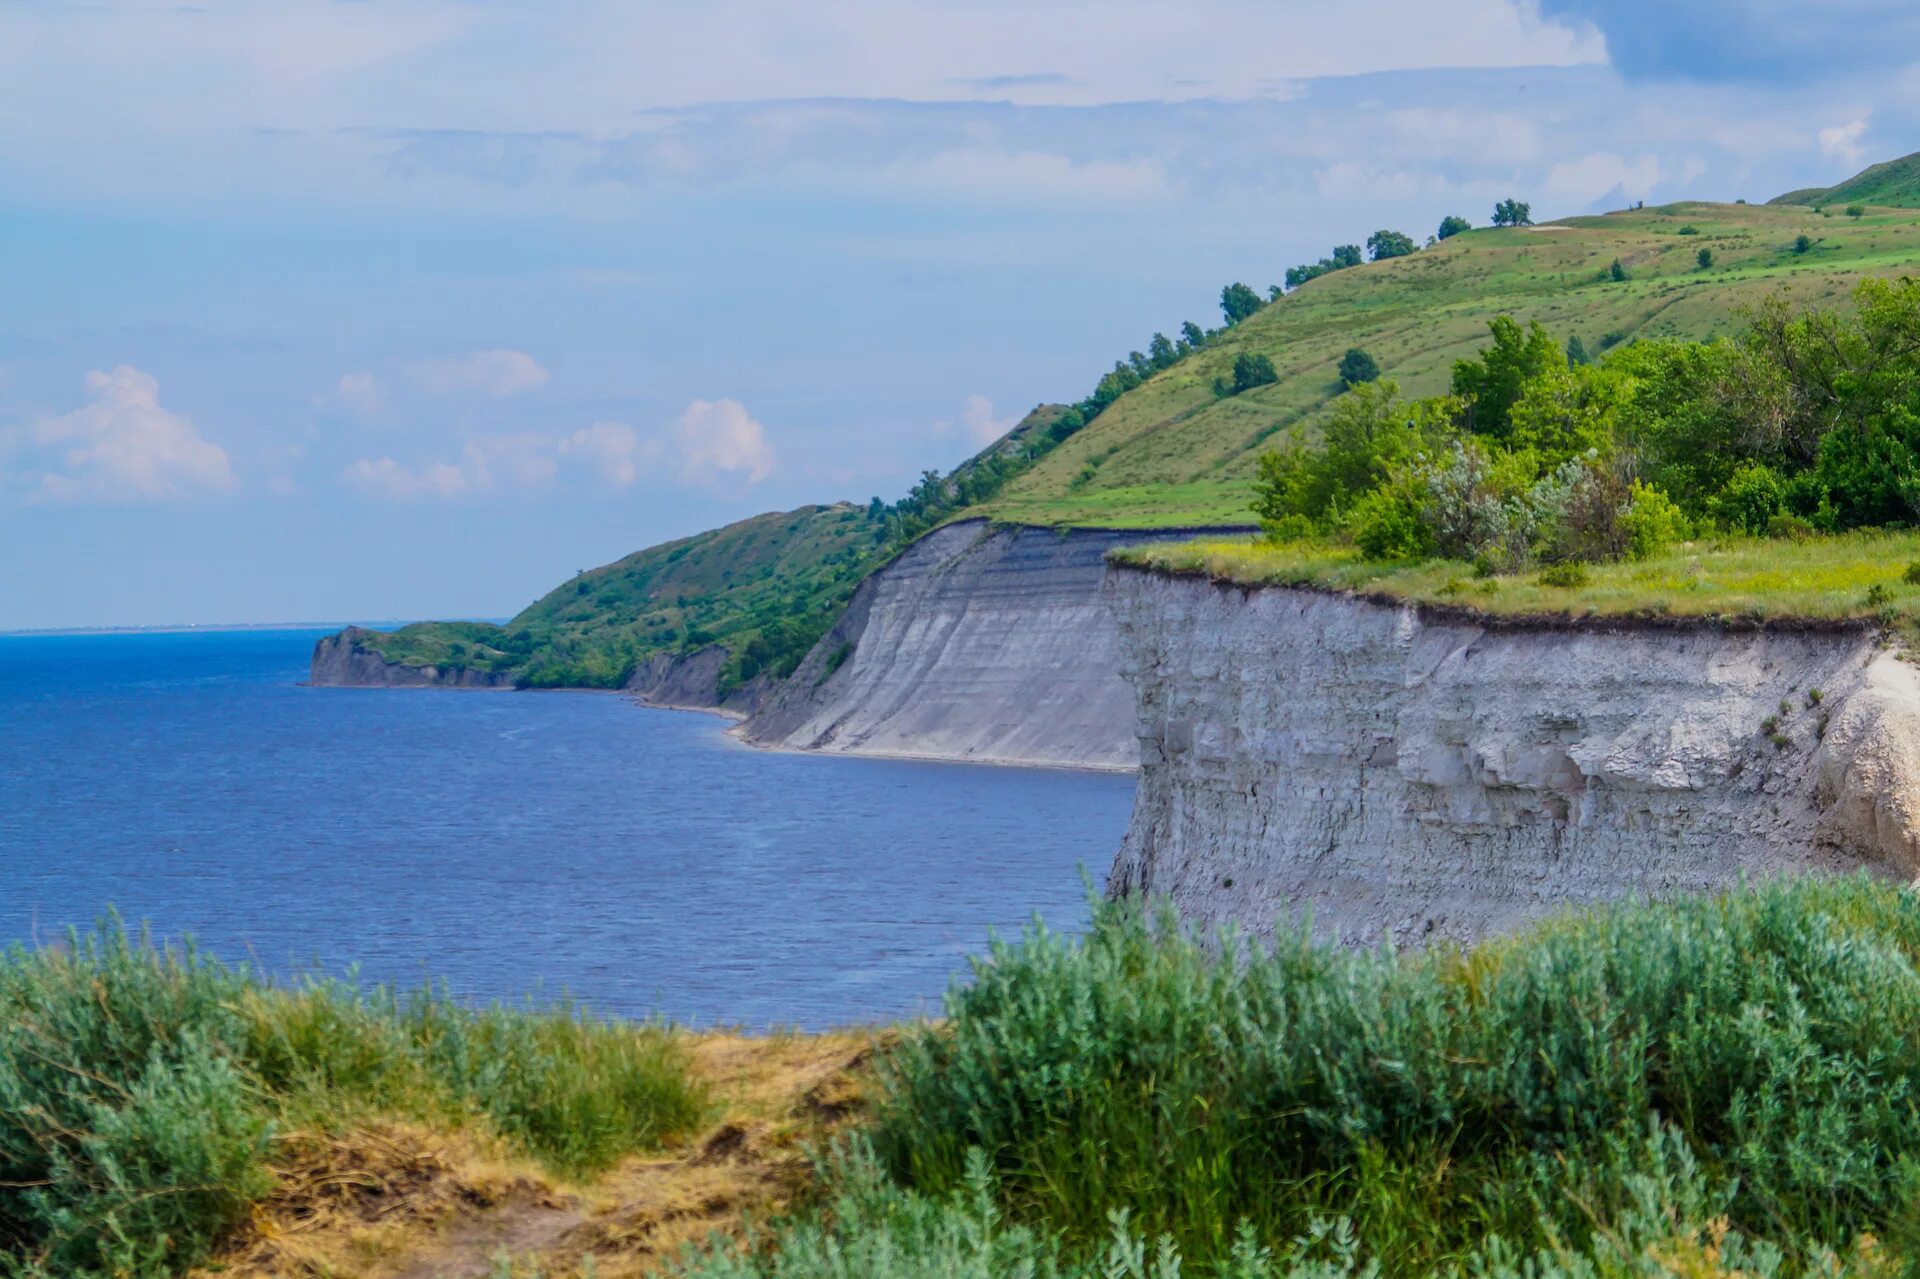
(1415, 776)
(983, 644)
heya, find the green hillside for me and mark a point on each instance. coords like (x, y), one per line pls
(1173, 451)
(1892, 183)
(764, 588)
(778, 578)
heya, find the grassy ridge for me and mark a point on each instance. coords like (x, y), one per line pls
(778, 578)
(1173, 452)
(1841, 577)
(1891, 182)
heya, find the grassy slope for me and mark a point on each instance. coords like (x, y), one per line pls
(1171, 453)
(1823, 578)
(717, 586)
(1892, 182)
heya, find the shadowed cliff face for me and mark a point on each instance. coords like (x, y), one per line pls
(343, 661)
(1410, 778)
(978, 643)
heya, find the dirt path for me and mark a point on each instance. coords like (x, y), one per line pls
(400, 1202)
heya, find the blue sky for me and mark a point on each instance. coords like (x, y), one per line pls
(328, 309)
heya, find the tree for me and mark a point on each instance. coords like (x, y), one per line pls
(1855, 211)
(1577, 352)
(1250, 371)
(1275, 292)
(1160, 351)
(1346, 255)
(1493, 382)
(1704, 257)
(1192, 333)
(1617, 272)
(1453, 224)
(1237, 302)
(1512, 212)
(1356, 366)
(1389, 244)
(1802, 243)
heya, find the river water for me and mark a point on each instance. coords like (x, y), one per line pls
(512, 844)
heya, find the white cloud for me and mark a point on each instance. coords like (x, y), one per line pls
(384, 477)
(978, 422)
(1842, 141)
(487, 464)
(360, 393)
(716, 438)
(497, 373)
(122, 445)
(615, 450)
(1581, 182)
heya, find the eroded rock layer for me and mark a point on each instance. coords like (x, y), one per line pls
(1417, 776)
(978, 643)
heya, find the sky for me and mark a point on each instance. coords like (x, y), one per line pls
(386, 309)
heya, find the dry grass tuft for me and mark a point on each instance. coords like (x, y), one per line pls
(407, 1201)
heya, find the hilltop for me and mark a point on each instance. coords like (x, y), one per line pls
(1173, 452)
(1892, 183)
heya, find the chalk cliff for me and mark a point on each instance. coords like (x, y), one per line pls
(981, 643)
(344, 661)
(1416, 774)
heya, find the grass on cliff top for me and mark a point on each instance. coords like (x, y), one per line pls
(1171, 452)
(1848, 576)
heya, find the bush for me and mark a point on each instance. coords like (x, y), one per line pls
(1569, 575)
(1761, 1049)
(1651, 522)
(139, 1090)
(1249, 371)
(1751, 499)
(1387, 525)
(1356, 366)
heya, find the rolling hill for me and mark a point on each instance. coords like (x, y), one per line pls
(787, 572)
(1893, 183)
(1172, 452)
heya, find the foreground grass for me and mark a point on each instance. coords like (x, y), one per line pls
(1719, 1087)
(1726, 1086)
(1853, 576)
(142, 1092)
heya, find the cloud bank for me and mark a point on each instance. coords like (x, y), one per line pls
(123, 445)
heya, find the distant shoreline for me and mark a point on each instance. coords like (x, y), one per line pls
(189, 628)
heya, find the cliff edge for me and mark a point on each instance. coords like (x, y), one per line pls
(1410, 774)
(343, 660)
(980, 642)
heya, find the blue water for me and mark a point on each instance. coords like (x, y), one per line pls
(511, 844)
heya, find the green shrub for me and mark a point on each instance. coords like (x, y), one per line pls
(139, 1090)
(1751, 498)
(128, 1140)
(1568, 575)
(1436, 1099)
(1387, 525)
(1291, 528)
(1651, 522)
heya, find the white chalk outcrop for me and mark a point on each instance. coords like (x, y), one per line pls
(981, 643)
(1419, 774)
